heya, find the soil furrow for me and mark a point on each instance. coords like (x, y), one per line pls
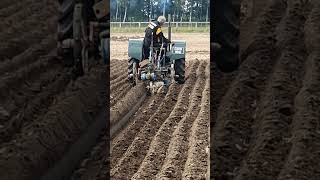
(12, 83)
(92, 167)
(125, 103)
(134, 155)
(178, 147)
(121, 142)
(28, 56)
(36, 105)
(6, 3)
(32, 33)
(115, 63)
(197, 164)
(116, 96)
(120, 72)
(132, 158)
(274, 112)
(44, 112)
(60, 126)
(158, 147)
(28, 18)
(235, 113)
(219, 86)
(118, 82)
(19, 11)
(304, 157)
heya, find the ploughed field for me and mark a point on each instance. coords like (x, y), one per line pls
(267, 114)
(43, 110)
(168, 136)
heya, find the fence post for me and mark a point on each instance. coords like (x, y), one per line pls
(139, 24)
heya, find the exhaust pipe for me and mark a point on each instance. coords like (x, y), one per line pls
(169, 27)
(169, 30)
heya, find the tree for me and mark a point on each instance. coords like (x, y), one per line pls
(144, 10)
(117, 10)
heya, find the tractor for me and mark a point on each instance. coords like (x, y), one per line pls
(164, 66)
(83, 33)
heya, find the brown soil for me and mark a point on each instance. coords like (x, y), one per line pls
(264, 126)
(198, 44)
(42, 110)
(146, 146)
(124, 38)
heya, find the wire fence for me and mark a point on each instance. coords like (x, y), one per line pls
(176, 26)
(173, 24)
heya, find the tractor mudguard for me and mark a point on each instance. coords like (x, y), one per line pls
(178, 50)
(135, 49)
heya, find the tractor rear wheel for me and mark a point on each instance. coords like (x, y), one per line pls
(70, 27)
(226, 33)
(132, 70)
(179, 68)
(65, 29)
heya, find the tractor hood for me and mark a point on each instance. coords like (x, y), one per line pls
(178, 50)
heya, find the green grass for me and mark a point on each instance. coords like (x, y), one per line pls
(173, 29)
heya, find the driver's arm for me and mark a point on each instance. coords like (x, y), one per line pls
(160, 34)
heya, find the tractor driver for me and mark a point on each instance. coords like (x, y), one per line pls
(153, 33)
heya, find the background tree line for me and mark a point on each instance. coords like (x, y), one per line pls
(143, 10)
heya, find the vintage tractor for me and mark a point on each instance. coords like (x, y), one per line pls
(83, 33)
(164, 66)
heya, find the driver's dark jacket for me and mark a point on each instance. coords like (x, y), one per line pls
(153, 33)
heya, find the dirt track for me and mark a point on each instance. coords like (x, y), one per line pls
(197, 44)
(168, 137)
(42, 110)
(266, 121)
